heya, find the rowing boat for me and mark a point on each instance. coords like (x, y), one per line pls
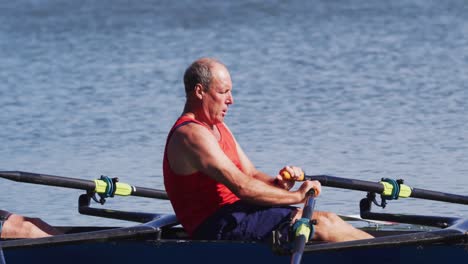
(158, 237)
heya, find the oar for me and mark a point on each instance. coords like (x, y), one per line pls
(98, 186)
(303, 229)
(389, 188)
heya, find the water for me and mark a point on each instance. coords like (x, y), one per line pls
(358, 89)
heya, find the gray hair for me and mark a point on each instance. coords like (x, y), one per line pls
(199, 72)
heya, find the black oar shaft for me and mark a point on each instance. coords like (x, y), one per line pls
(298, 250)
(344, 183)
(149, 193)
(301, 237)
(309, 207)
(439, 196)
(376, 187)
(50, 180)
(74, 183)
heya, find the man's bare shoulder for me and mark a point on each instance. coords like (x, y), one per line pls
(191, 148)
(191, 131)
(192, 135)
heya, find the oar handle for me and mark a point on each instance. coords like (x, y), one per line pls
(287, 176)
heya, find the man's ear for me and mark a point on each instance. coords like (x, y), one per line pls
(199, 91)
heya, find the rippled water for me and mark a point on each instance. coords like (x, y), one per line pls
(361, 89)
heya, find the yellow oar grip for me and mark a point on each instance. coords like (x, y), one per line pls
(122, 189)
(304, 230)
(287, 176)
(405, 190)
(100, 186)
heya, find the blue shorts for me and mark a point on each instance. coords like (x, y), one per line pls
(3, 217)
(247, 222)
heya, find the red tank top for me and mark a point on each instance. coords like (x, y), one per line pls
(196, 196)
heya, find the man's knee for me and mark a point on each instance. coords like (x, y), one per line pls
(322, 218)
(327, 218)
(17, 226)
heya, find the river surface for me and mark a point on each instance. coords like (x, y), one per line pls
(357, 89)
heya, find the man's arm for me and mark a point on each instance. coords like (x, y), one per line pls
(252, 171)
(199, 150)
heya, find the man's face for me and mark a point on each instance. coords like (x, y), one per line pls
(218, 98)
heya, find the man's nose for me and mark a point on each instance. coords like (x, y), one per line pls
(230, 99)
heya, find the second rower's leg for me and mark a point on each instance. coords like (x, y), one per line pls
(17, 226)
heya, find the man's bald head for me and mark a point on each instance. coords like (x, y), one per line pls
(200, 72)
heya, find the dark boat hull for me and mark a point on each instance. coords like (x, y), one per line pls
(224, 252)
